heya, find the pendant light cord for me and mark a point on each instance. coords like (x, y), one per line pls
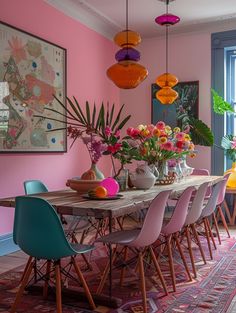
(127, 23)
(167, 3)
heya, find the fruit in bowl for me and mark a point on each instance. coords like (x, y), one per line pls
(89, 175)
(98, 192)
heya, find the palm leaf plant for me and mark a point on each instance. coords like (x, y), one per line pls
(79, 121)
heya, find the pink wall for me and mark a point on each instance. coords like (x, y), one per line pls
(189, 60)
(88, 57)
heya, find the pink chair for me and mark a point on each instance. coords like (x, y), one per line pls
(141, 240)
(219, 211)
(171, 231)
(208, 210)
(193, 215)
(203, 171)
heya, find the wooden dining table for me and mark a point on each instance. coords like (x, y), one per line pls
(70, 202)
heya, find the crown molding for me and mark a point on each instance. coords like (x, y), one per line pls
(87, 15)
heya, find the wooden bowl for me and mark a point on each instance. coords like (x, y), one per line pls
(82, 185)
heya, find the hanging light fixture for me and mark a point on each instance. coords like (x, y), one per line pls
(167, 95)
(127, 73)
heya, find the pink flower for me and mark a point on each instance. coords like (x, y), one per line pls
(233, 144)
(107, 131)
(115, 148)
(180, 136)
(117, 133)
(133, 132)
(160, 125)
(168, 146)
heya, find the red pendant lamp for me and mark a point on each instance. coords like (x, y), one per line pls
(167, 95)
(127, 73)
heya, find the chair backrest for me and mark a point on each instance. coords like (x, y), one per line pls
(197, 205)
(223, 189)
(200, 171)
(212, 202)
(34, 186)
(203, 171)
(180, 212)
(153, 221)
(38, 230)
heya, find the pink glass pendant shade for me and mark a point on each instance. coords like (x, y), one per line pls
(166, 80)
(166, 95)
(127, 74)
(167, 19)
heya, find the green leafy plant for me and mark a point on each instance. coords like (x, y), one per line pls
(90, 121)
(228, 143)
(200, 133)
(220, 106)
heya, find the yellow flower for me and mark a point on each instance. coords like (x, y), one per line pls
(192, 155)
(145, 132)
(187, 137)
(176, 130)
(163, 140)
(156, 132)
(168, 130)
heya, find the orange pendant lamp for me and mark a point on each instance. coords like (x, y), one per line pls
(127, 73)
(167, 95)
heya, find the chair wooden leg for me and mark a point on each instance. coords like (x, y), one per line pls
(207, 236)
(47, 278)
(154, 259)
(216, 227)
(190, 251)
(211, 234)
(171, 263)
(106, 272)
(182, 257)
(223, 220)
(58, 286)
(85, 286)
(142, 279)
(122, 274)
(28, 270)
(25, 269)
(195, 233)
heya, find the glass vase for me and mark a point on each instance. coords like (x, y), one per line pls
(98, 173)
(122, 179)
(186, 170)
(162, 169)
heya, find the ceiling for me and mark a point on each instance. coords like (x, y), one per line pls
(108, 16)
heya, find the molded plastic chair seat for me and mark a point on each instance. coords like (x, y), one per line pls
(39, 233)
(125, 237)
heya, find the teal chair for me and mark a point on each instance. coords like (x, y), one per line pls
(39, 233)
(34, 186)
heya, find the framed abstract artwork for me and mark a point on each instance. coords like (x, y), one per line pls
(32, 71)
(178, 113)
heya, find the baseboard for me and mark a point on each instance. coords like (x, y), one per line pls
(7, 245)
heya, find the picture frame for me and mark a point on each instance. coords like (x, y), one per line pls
(32, 71)
(178, 113)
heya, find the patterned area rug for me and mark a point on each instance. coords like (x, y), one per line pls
(212, 291)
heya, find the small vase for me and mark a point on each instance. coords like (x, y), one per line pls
(122, 179)
(98, 173)
(162, 169)
(231, 183)
(186, 170)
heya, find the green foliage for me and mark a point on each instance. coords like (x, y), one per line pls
(90, 121)
(226, 144)
(200, 133)
(220, 106)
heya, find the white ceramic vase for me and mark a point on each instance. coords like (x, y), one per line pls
(143, 178)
